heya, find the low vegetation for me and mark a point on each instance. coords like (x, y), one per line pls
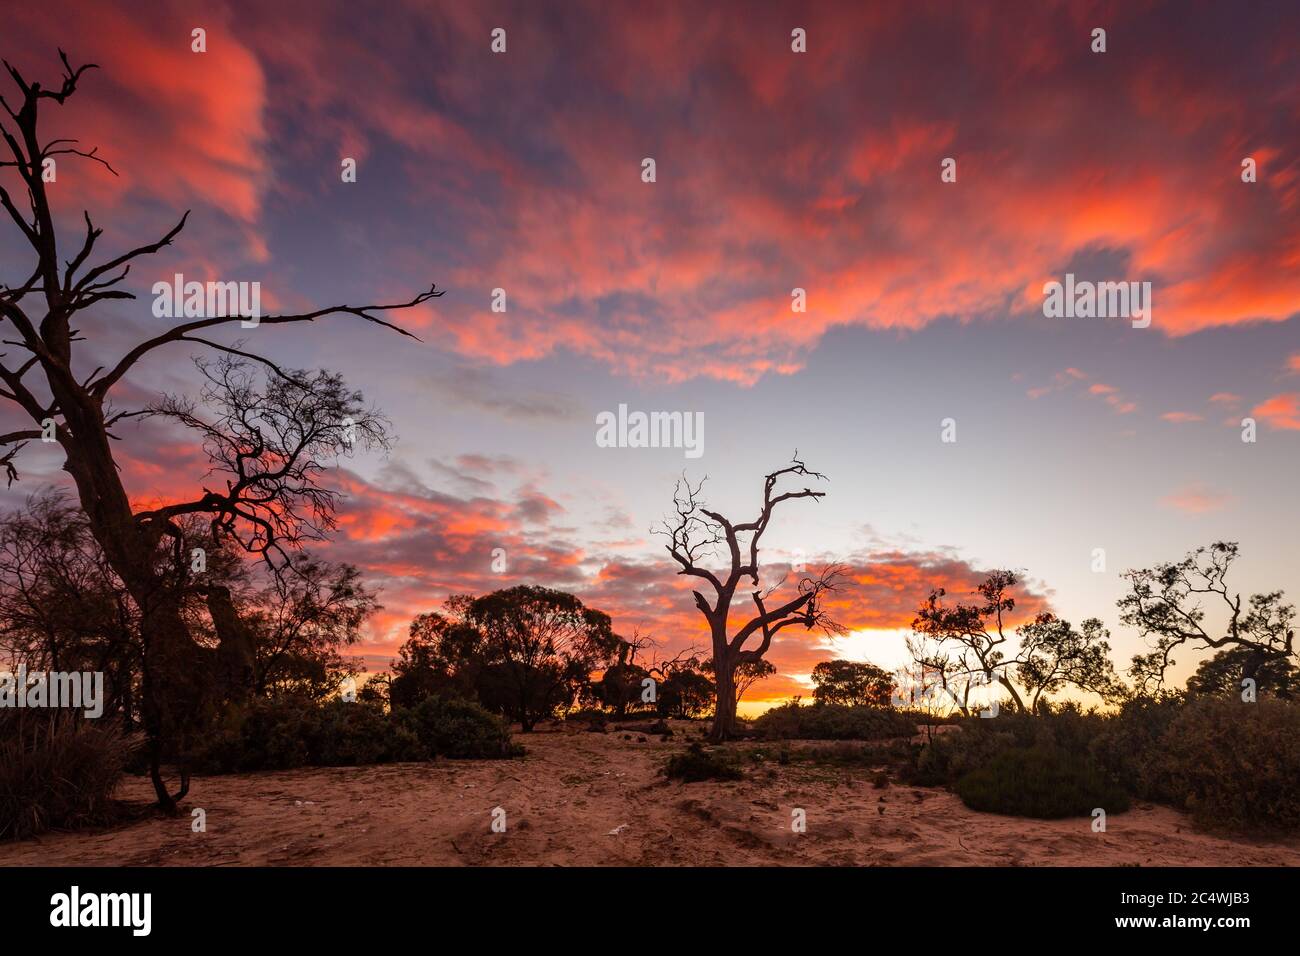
(697, 763)
(280, 734)
(58, 771)
(1233, 765)
(794, 721)
(1044, 782)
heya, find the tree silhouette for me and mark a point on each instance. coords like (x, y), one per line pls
(271, 501)
(852, 683)
(953, 644)
(1223, 675)
(539, 647)
(1164, 603)
(965, 641)
(694, 534)
(1054, 655)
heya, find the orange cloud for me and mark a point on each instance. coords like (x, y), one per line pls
(1280, 411)
(182, 127)
(1196, 499)
(771, 173)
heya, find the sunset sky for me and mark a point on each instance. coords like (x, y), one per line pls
(775, 170)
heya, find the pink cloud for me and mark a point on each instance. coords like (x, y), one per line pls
(1196, 498)
(1280, 411)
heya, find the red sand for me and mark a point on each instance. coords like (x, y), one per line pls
(594, 799)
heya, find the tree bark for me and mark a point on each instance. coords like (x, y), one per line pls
(235, 657)
(724, 678)
(172, 670)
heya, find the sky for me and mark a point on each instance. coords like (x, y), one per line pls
(774, 170)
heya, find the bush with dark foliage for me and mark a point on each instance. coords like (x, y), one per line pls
(696, 764)
(793, 721)
(58, 771)
(446, 727)
(1235, 765)
(283, 733)
(1043, 782)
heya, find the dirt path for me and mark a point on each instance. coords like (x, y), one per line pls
(593, 799)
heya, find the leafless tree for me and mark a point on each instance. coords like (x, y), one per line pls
(267, 500)
(695, 535)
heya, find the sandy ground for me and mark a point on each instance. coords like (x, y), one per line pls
(593, 799)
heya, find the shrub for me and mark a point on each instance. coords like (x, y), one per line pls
(284, 733)
(1232, 765)
(978, 740)
(264, 734)
(1043, 781)
(58, 771)
(447, 727)
(793, 721)
(1235, 765)
(695, 764)
(588, 715)
(1130, 747)
(343, 734)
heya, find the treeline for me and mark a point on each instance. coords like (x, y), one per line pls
(532, 653)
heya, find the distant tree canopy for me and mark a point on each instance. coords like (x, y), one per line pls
(1053, 656)
(852, 683)
(686, 692)
(1222, 675)
(526, 652)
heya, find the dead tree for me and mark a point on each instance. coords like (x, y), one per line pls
(271, 499)
(695, 535)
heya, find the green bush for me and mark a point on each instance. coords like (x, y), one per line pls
(343, 734)
(950, 756)
(793, 721)
(458, 729)
(58, 771)
(289, 732)
(1232, 765)
(1130, 747)
(1235, 765)
(696, 764)
(1043, 782)
(261, 735)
